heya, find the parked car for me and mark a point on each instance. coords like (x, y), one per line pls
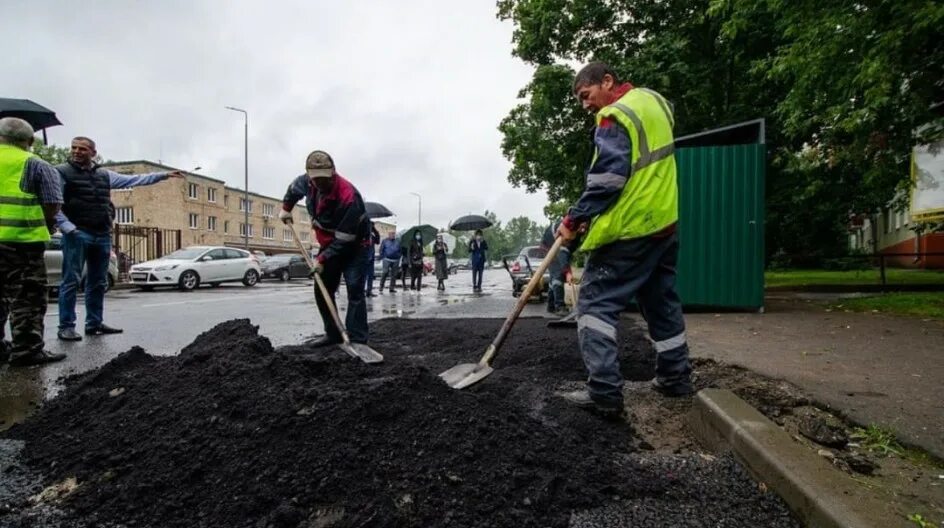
(285, 266)
(189, 267)
(529, 256)
(53, 257)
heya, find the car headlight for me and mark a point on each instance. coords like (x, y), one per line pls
(167, 267)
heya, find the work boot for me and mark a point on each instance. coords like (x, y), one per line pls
(674, 389)
(393, 290)
(69, 334)
(102, 329)
(581, 398)
(40, 357)
(323, 341)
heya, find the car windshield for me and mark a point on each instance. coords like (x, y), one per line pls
(185, 254)
(278, 258)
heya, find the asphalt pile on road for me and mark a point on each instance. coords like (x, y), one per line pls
(235, 433)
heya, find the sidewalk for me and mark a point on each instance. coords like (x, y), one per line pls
(875, 368)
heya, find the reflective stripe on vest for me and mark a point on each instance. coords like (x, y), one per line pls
(21, 215)
(648, 202)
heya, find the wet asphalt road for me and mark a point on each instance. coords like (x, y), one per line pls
(164, 321)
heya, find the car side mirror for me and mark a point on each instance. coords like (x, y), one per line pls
(205, 258)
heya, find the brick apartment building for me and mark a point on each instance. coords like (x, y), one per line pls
(208, 212)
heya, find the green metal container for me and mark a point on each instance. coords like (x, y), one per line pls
(721, 225)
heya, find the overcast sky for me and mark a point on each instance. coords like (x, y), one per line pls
(405, 95)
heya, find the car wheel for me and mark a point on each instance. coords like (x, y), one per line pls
(251, 278)
(189, 280)
(284, 276)
(214, 285)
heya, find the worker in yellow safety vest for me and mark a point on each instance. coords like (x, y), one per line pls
(628, 211)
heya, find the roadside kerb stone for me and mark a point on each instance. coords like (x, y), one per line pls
(818, 494)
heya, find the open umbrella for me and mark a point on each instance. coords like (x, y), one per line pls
(470, 223)
(38, 116)
(376, 210)
(428, 231)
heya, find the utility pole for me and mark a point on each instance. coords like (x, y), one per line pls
(419, 209)
(245, 172)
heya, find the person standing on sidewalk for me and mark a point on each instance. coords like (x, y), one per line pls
(342, 229)
(440, 253)
(478, 254)
(416, 262)
(371, 257)
(86, 224)
(30, 197)
(629, 210)
(390, 256)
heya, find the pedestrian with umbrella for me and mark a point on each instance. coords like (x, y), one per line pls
(440, 252)
(478, 247)
(416, 261)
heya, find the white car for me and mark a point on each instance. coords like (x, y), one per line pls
(189, 267)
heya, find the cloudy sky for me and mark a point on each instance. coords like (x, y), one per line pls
(406, 95)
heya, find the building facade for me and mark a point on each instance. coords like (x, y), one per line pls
(894, 232)
(208, 212)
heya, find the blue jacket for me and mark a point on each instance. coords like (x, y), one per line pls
(477, 252)
(390, 249)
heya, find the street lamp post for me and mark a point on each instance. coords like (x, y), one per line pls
(419, 208)
(245, 172)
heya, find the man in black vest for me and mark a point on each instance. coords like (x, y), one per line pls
(86, 222)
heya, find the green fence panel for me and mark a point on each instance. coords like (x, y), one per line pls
(721, 226)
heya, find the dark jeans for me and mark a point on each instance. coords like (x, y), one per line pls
(80, 249)
(477, 271)
(369, 273)
(416, 276)
(555, 293)
(390, 268)
(644, 269)
(351, 266)
(23, 295)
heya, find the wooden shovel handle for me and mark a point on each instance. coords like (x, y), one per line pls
(522, 301)
(321, 286)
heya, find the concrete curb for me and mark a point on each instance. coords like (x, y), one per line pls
(817, 493)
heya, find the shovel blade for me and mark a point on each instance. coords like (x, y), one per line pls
(362, 352)
(461, 376)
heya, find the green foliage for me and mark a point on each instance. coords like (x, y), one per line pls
(844, 86)
(878, 440)
(53, 154)
(918, 520)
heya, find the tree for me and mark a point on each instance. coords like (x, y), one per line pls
(51, 153)
(521, 232)
(843, 87)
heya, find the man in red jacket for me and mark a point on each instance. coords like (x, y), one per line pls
(341, 226)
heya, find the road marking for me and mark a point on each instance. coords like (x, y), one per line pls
(215, 299)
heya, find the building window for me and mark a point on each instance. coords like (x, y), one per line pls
(192, 191)
(225, 224)
(225, 200)
(268, 233)
(304, 236)
(211, 223)
(286, 235)
(194, 219)
(242, 230)
(211, 195)
(886, 222)
(242, 204)
(268, 210)
(124, 215)
(899, 216)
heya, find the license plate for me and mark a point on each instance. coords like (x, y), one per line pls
(139, 276)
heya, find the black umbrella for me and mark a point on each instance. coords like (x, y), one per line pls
(376, 210)
(470, 223)
(428, 232)
(38, 116)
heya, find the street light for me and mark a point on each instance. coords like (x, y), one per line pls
(419, 209)
(245, 171)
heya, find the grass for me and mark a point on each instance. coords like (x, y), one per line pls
(801, 277)
(882, 441)
(927, 305)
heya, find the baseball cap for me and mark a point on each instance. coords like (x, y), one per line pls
(319, 165)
